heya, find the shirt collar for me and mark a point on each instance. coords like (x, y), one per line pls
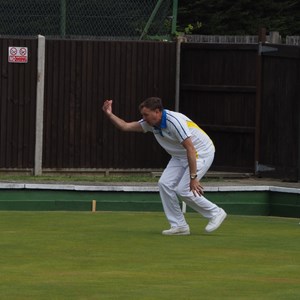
(163, 122)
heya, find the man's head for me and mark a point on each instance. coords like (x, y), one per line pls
(151, 110)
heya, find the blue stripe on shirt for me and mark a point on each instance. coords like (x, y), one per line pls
(183, 138)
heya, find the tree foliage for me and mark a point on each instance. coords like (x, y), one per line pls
(240, 17)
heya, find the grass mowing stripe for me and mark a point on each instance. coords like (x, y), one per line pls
(122, 255)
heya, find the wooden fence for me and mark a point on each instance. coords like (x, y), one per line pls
(279, 139)
(218, 90)
(273, 37)
(17, 106)
(220, 85)
(79, 76)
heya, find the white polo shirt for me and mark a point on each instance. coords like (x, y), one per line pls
(174, 129)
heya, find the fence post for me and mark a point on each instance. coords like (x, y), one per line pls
(38, 155)
(179, 41)
(174, 17)
(261, 40)
(298, 112)
(63, 8)
(153, 14)
(275, 37)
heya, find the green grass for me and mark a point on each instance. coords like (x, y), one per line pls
(122, 255)
(85, 178)
(77, 178)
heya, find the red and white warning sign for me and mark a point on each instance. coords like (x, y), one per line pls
(18, 54)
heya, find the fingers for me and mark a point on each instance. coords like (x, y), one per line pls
(200, 189)
(197, 193)
(197, 190)
(107, 105)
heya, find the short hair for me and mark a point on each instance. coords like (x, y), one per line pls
(152, 103)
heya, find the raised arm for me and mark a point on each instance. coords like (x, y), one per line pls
(118, 122)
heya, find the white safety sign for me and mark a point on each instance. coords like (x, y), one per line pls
(18, 55)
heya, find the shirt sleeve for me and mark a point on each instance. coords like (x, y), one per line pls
(146, 127)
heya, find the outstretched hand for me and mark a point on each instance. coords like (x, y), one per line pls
(107, 107)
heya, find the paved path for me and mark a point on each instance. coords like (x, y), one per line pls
(214, 182)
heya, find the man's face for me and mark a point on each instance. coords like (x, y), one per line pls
(152, 117)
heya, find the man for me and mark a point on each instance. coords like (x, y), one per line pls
(192, 153)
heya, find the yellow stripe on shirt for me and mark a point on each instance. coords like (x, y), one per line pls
(191, 124)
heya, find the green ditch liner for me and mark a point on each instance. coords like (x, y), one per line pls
(241, 200)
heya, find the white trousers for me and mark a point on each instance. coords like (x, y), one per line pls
(175, 182)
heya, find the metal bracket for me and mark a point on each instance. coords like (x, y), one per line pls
(265, 49)
(263, 168)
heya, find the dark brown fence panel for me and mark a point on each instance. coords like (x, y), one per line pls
(17, 105)
(280, 112)
(218, 91)
(79, 76)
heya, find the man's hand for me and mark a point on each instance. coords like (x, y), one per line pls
(107, 107)
(118, 122)
(196, 187)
